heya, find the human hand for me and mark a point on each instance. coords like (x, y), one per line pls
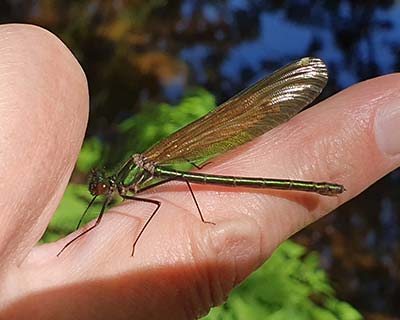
(181, 266)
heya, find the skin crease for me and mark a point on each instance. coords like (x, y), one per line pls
(181, 266)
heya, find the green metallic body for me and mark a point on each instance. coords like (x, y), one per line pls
(323, 188)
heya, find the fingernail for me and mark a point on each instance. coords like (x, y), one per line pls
(387, 128)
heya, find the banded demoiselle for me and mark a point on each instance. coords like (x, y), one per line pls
(252, 112)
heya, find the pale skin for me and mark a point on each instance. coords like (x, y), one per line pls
(181, 266)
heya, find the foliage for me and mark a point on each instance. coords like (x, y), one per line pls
(290, 285)
(90, 155)
(150, 126)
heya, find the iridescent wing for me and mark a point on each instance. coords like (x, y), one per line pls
(249, 114)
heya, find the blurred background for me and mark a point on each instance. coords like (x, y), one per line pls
(160, 64)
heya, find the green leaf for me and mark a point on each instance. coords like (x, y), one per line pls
(155, 123)
(290, 285)
(90, 154)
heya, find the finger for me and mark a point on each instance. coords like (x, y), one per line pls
(346, 139)
(43, 114)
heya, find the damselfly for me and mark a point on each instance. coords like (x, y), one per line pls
(249, 114)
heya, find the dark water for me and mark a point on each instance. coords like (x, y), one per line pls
(160, 50)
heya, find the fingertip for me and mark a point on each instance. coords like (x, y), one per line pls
(368, 118)
(43, 116)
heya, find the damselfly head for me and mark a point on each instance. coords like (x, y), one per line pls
(99, 184)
